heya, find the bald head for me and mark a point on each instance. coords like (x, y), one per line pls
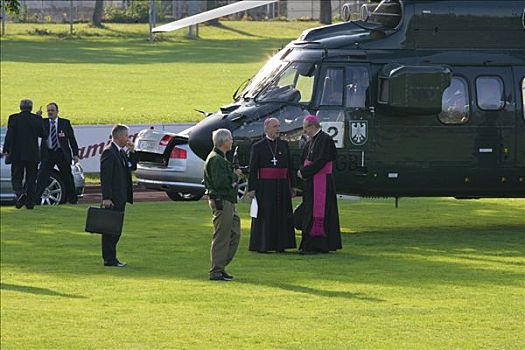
(272, 128)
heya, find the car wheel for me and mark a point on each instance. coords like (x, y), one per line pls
(54, 193)
(183, 197)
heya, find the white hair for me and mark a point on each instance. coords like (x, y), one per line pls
(220, 136)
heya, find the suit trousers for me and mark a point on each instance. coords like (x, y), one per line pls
(19, 169)
(109, 244)
(226, 236)
(56, 158)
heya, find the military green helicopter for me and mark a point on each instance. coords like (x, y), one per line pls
(422, 98)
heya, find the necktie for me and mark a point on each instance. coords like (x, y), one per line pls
(124, 158)
(54, 140)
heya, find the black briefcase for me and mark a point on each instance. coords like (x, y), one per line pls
(104, 221)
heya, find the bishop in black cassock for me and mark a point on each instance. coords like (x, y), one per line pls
(271, 183)
(321, 231)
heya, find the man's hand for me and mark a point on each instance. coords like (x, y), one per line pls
(75, 159)
(238, 172)
(251, 194)
(107, 203)
(131, 146)
(299, 175)
(39, 112)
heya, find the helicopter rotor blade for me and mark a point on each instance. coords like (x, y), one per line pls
(212, 14)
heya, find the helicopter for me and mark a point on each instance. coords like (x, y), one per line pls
(422, 99)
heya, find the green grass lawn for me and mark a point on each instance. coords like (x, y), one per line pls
(103, 76)
(433, 274)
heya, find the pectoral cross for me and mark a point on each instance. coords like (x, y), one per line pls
(274, 161)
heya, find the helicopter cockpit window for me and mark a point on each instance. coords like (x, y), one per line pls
(454, 104)
(490, 93)
(294, 84)
(332, 87)
(356, 87)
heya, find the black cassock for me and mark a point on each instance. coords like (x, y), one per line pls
(320, 151)
(271, 177)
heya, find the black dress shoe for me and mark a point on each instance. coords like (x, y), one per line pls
(227, 275)
(219, 278)
(116, 264)
(20, 201)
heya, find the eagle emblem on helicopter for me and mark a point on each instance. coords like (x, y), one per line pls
(358, 132)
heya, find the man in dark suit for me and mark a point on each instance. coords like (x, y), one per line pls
(21, 147)
(115, 178)
(59, 148)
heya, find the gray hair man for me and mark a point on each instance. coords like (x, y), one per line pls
(220, 180)
(21, 147)
(116, 163)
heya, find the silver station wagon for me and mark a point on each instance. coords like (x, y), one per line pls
(167, 163)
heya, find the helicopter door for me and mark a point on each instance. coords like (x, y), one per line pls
(341, 107)
(425, 154)
(519, 80)
(359, 119)
(494, 110)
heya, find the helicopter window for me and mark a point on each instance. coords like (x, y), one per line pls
(332, 87)
(490, 93)
(454, 104)
(270, 70)
(356, 87)
(305, 84)
(295, 83)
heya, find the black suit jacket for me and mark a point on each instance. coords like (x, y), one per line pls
(115, 176)
(21, 139)
(66, 139)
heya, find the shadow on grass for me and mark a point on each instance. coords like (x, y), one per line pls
(237, 31)
(38, 291)
(139, 52)
(312, 291)
(484, 251)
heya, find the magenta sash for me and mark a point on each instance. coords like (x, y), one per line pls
(319, 204)
(273, 173)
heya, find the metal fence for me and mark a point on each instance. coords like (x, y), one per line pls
(63, 11)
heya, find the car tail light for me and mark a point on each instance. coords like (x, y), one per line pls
(178, 153)
(165, 140)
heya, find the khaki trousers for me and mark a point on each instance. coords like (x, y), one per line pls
(226, 236)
